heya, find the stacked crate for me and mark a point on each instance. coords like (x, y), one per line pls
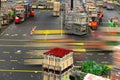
(34, 4)
(99, 3)
(56, 9)
(57, 64)
(50, 4)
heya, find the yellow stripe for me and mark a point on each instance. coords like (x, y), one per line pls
(6, 34)
(6, 52)
(101, 54)
(79, 50)
(48, 32)
(76, 44)
(15, 34)
(14, 40)
(29, 52)
(2, 60)
(89, 54)
(13, 60)
(40, 40)
(110, 66)
(77, 66)
(24, 34)
(27, 61)
(35, 71)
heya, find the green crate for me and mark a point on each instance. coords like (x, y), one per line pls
(112, 43)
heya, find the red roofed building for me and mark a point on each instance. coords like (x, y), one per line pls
(57, 62)
(58, 52)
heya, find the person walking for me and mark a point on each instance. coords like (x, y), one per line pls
(111, 23)
(100, 17)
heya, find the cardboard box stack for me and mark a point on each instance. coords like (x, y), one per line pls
(57, 64)
(99, 3)
(50, 4)
(56, 9)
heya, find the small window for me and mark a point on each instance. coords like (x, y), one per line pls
(51, 58)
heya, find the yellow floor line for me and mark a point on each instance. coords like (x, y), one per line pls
(29, 52)
(13, 60)
(48, 32)
(89, 54)
(77, 44)
(77, 66)
(6, 52)
(101, 54)
(2, 60)
(6, 34)
(35, 71)
(24, 34)
(79, 50)
(15, 34)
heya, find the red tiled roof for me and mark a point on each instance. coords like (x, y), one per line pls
(58, 52)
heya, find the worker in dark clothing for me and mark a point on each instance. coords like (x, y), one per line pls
(72, 77)
(100, 17)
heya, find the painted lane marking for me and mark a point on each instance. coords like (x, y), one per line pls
(77, 44)
(6, 52)
(21, 71)
(79, 50)
(89, 54)
(13, 60)
(2, 60)
(29, 52)
(15, 34)
(24, 34)
(101, 54)
(6, 34)
(49, 32)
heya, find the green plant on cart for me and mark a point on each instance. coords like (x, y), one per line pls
(94, 68)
